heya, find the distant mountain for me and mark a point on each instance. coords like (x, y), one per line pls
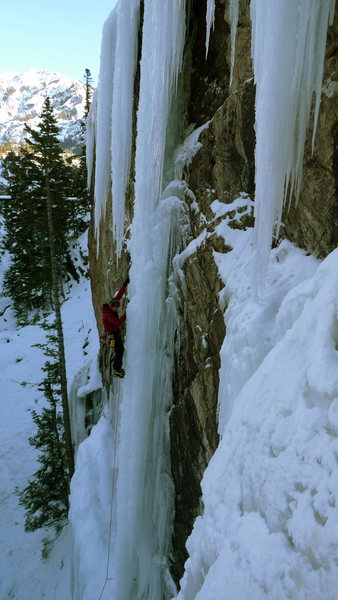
(21, 100)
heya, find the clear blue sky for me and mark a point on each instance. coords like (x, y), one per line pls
(56, 35)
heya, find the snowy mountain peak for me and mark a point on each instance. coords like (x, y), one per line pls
(21, 100)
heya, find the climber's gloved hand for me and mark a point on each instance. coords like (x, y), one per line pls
(125, 283)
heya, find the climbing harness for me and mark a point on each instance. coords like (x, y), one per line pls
(107, 336)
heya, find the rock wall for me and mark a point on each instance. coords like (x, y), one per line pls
(222, 168)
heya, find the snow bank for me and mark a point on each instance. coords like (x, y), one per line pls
(25, 572)
(269, 526)
(20, 372)
(90, 513)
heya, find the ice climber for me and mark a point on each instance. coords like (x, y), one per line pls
(112, 326)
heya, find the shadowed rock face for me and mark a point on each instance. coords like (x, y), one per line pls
(222, 168)
(194, 435)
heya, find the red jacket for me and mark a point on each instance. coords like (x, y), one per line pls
(110, 319)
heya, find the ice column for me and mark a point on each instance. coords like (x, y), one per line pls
(122, 109)
(103, 124)
(114, 113)
(144, 487)
(288, 48)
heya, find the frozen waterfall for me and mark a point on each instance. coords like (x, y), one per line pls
(144, 486)
(109, 125)
(144, 491)
(102, 127)
(122, 110)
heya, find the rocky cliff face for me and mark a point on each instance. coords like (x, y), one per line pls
(222, 168)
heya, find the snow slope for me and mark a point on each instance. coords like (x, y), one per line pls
(269, 526)
(24, 574)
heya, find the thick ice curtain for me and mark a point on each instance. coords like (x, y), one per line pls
(103, 120)
(288, 48)
(114, 113)
(122, 110)
(144, 489)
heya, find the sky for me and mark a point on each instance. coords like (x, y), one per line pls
(62, 36)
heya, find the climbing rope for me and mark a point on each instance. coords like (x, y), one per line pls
(116, 429)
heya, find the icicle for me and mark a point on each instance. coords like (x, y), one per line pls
(144, 489)
(122, 109)
(103, 127)
(288, 47)
(233, 12)
(210, 20)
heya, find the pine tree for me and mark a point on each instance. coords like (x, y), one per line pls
(45, 498)
(47, 155)
(43, 161)
(89, 90)
(80, 187)
(28, 281)
(58, 325)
